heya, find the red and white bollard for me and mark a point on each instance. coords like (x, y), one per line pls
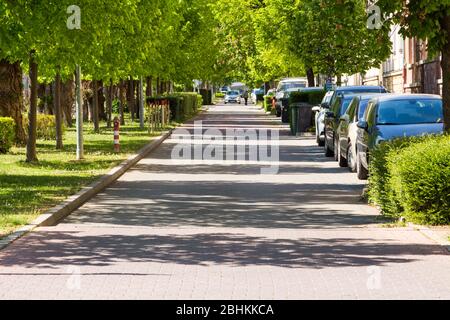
(116, 135)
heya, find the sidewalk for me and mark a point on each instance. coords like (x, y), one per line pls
(204, 230)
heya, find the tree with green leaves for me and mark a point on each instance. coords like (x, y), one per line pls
(332, 37)
(426, 20)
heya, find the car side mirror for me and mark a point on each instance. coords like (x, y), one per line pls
(316, 109)
(363, 125)
(325, 105)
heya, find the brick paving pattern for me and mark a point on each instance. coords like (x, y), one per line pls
(221, 230)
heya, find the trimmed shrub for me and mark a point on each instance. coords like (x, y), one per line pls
(420, 180)
(45, 126)
(410, 177)
(182, 104)
(379, 191)
(268, 103)
(220, 95)
(7, 135)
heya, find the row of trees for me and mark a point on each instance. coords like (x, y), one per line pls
(114, 42)
(269, 39)
(168, 41)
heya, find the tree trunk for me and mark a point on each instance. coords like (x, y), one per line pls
(57, 109)
(68, 101)
(311, 78)
(95, 116)
(109, 102)
(11, 101)
(149, 90)
(339, 80)
(31, 144)
(131, 98)
(158, 84)
(123, 91)
(445, 23)
(101, 102)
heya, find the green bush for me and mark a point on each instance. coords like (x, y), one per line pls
(183, 105)
(7, 126)
(45, 126)
(420, 180)
(268, 103)
(220, 95)
(379, 191)
(410, 177)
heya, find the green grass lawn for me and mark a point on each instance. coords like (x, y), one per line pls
(27, 190)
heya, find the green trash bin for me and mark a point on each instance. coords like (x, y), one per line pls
(294, 118)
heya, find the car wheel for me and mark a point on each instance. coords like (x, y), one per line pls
(362, 172)
(336, 151)
(328, 152)
(342, 161)
(351, 158)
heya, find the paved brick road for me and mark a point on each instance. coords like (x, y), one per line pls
(176, 230)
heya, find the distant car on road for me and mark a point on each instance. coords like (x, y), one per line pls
(255, 93)
(393, 116)
(285, 86)
(232, 97)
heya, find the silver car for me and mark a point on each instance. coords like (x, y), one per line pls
(320, 118)
(233, 97)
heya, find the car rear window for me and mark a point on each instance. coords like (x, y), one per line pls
(412, 111)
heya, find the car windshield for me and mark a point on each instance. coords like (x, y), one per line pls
(233, 93)
(328, 97)
(345, 104)
(362, 90)
(362, 109)
(412, 111)
(292, 85)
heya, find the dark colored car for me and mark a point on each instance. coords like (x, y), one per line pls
(393, 116)
(339, 91)
(347, 130)
(337, 108)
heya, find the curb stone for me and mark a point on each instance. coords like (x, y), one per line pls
(64, 209)
(430, 234)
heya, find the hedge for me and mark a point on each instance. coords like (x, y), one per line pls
(45, 126)
(182, 104)
(410, 177)
(7, 135)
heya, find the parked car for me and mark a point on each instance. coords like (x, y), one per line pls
(233, 97)
(356, 90)
(347, 130)
(257, 92)
(224, 90)
(338, 108)
(320, 111)
(392, 116)
(286, 85)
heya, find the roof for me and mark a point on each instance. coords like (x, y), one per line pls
(350, 88)
(293, 79)
(391, 97)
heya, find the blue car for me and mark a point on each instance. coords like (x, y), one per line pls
(395, 116)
